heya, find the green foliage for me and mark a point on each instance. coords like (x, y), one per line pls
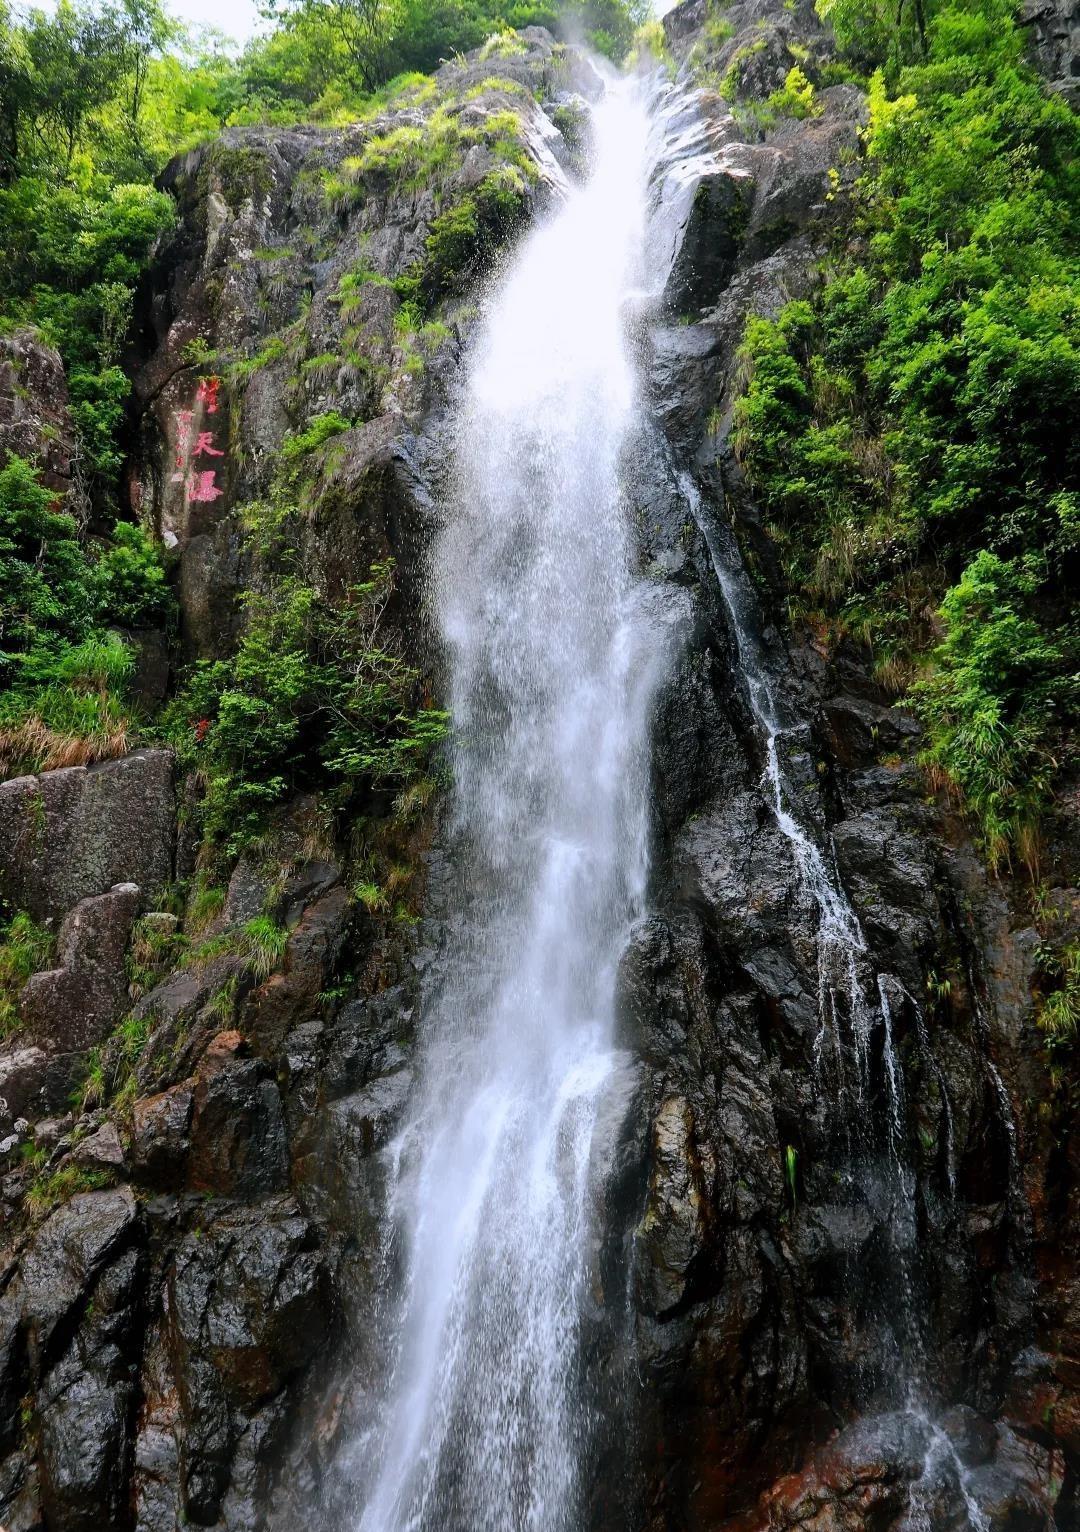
(319, 430)
(43, 568)
(464, 239)
(59, 1186)
(156, 946)
(791, 1172)
(272, 351)
(795, 98)
(1058, 1011)
(25, 948)
(69, 260)
(416, 155)
(897, 429)
(62, 672)
(311, 698)
(260, 944)
(130, 579)
(988, 703)
(870, 32)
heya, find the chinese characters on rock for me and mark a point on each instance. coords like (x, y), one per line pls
(193, 448)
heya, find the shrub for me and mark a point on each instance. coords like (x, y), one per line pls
(795, 98)
(311, 697)
(319, 430)
(988, 702)
(44, 585)
(130, 579)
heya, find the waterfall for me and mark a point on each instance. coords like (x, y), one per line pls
(553, 654)
(853, 999)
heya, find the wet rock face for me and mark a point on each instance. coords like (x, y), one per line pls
(888, 1468)
(188, 1342)
(70, 1319)
(773, 1286)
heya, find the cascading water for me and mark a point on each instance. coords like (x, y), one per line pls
(553, 658)
(853, 999)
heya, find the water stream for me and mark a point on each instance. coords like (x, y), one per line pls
(555, 649)
(854, 1000)
(553, 656)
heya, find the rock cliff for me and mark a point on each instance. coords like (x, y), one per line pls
(195, 1196)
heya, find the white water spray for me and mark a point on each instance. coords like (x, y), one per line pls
(553, 659)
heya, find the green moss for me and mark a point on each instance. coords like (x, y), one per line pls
(318, 430)
(271, 351)
(731, 82)
(467, 235)
(415, 156)
(239, 172)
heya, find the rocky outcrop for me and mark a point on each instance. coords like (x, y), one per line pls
(1053, 27)
(280, 283)
(35, 417)
(72, 834)
(77, 1003)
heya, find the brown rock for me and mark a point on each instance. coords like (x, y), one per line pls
(159, 1135)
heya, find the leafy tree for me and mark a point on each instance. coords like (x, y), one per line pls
(43, 570)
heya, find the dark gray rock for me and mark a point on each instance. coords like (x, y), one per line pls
(238, 1141)
(710, 239)
(249, 1305)
(1053, 28)
(23, 1073)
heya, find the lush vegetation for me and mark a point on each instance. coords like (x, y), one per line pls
(914, 430)
(25, 949)
(94, 98)
(314, 697)
(63, 669)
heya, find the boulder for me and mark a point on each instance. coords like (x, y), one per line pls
(1053, 29)
(72, 834)
(35, 413)
(160, 1135)
(101, 1150)
(711, 235)
(77, 1004)
(672, 1232)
